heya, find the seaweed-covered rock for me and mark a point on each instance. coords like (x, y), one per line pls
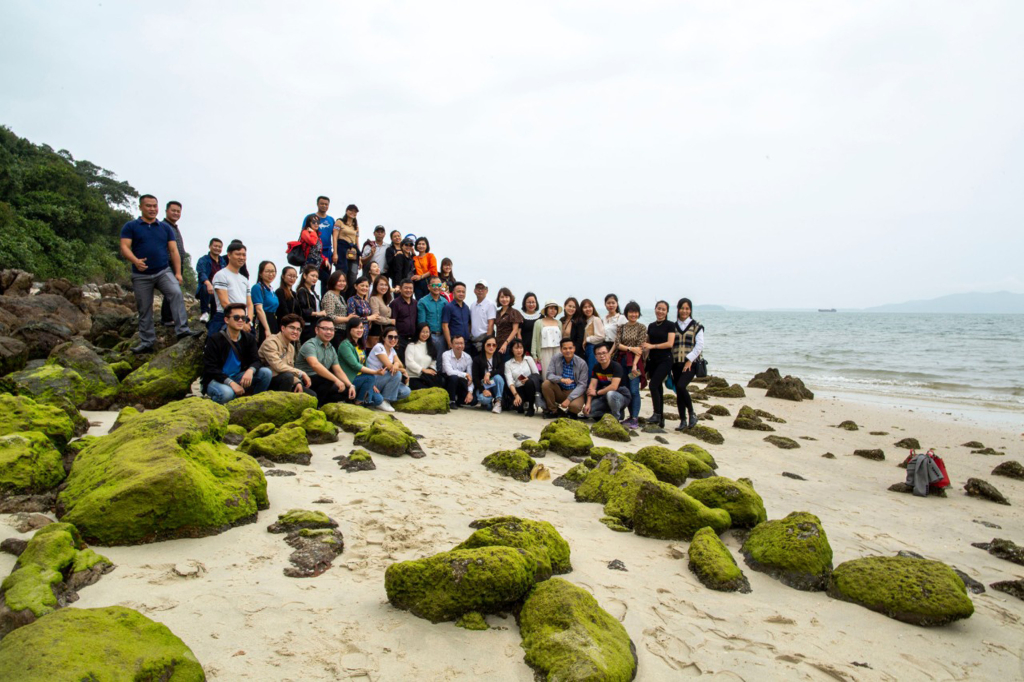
(121, 369)
(1014, 588)
(794, 550)
(21, 413)
(747, 418)
(573, 478)
(73, 449)
(472, 621)
(668, 465)
(917, 591)
(700, 453)
(425, 401)
(315, 549)
(164, 474)
(285, 446)
(314, 423)
(100, 382)
(615, 483)
(609, 428)
(13, 355)
(972, 444)
(977, 487)
(782, 442)
(168, 376)
(447, 585)
(988, 451)
(123, 415)
(349, 418)
(734, 391)
(388, 436)
(539, 539)
(718, 411)
(745, 506)
(53, 566)
(532, 447)
(357, 460)
(261, 431)
(301, 519)
(712, 563)
(615, 524)
(568, 636)
(706, 434)
(110, 643)
(789, 388)
(567, 437)
(513, 463)
(270, 407)
(847, 425)
(908, 444)
(1010, 469)
(765, 379)
(29, 464)
(49, 381)
(234, 434)
(1004, 549)
(873, 454)
(666, 512)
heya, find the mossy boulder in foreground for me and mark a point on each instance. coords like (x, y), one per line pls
(21, 413)
(513, 463)
(916, 591)
(425, 401)
(794, 550)
(568, 636)
(168, 376)
(700, 453)
(50, 381)
(388, 436)
(164, 474)
(285, 446)
(270, 407)
(448, 585)
(666, 512)
(29, 464)
(712, 563)
(234, 434)
(112, 643)
(745, 506)
(615, 483)
(568, 437)
(350, 418)
(542, 543)
(667, 465)
(314, 423)
(609, 428)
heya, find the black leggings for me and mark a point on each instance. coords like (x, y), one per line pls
(657, 372)
(426, 381)
(682, 379)
(528, 392)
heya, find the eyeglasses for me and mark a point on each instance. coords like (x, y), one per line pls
(326, 329)
(294, 328)
(239, 318)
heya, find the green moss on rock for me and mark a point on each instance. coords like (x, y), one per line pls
(301, 519)
(121, 369)
(425, 401)
(164, 474)
(706, 434)
(350, 418)
(734, 391)
(700, 453)
(712, 563)
(794, 550)
(314, 423)
(782, 442)
(472, 621)
(234, 434)
(572, 478)
(168, 376)
(100, 383)
(615, 483)
(539, 539)
(270, 407)
(719, 411)
(387, 436)
(615, 524)
(609, 428)
(448, 585)
(112, 643)
(513, 463)
(21, 413)
(285, 446)
(50, 381)
(848, 425)
(123, 416)
(668, 465)
(916, 591)
(531, 447)
(745, 506)
(747, 418)
(666, 512)
(568, 636)
(29, 464)
(567, 437)
(261, 431)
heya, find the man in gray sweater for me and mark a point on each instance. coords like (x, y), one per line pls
(565, 385)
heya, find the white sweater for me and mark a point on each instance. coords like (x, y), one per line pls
(418, 359)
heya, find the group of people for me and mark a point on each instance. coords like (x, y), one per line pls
(369, 324)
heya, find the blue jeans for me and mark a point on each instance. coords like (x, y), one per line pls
(215, 324)
(223, 393)
(391, 387)
(611, 402)
(634, 397)
(591, 358)
(496, 387)
(364, 390)
(206, 302)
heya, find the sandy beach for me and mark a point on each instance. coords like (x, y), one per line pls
(228, 599)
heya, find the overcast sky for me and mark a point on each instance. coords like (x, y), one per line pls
(758, 154)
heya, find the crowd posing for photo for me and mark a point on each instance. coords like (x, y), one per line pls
(370, 323)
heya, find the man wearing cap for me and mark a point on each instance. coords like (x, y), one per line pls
(375, 251)
(326, 229)
(482, 315)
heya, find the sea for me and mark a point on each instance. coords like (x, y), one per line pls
(976, 361)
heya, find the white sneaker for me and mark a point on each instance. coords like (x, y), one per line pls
(497, 407)
(205, 317)
(385, 406)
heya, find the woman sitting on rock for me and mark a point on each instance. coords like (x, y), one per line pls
(352, 359)
(421, 361)
(521, 380)
(391, 374)
(489, 375)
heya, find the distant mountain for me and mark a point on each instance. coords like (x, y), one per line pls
(975, 302)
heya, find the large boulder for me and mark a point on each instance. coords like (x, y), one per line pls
(711, 561)
(349, 418)
(916, 591)
(567, 437)
(794, 550)
(168, 376)
(29, 464)
(43, 321)
(765, 379)
(700, 453)
(13, 355)
(51, 381)
(318, 430)
(388, 436)
(666, 512)
(21, 413)
(515, 464)
(745, 506)
(789, 388)
(615, 482)
(748, 419)
(285, 446)
(568, 636)
(110, 643)
(539, 539)
(425, 401)
(112, 324)
(100, 382)
(270, 407)
(1010, 469)
(164, 474)
(15, 282)
(609, 428)
(670, 466)
(448, 585)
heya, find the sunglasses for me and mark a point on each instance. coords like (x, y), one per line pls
(391, 336)
(435, 286)
(239, 318)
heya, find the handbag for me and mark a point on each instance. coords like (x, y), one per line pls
(700, 367)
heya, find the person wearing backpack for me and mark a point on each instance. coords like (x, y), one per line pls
(324, 227)
(231, 361)
(375, 251)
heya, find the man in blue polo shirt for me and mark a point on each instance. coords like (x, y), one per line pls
(455, 317)
(326, 239)
(150, 247)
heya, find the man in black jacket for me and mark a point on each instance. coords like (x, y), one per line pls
(231, 361)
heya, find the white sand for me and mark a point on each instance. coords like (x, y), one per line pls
(244, 619)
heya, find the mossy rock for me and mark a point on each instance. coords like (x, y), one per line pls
(388, 436)
(472, 621)
(270, 407)
(301, 519)
(794, 550)
(789, 388)
(75, 448)
(350, 418)
(50, 381)
(448, 585)
(425, 401)
(532, 447)
(848, 425)
(261, 431)
(121, 369)
(539, 539)
(234, 434)
(782, 442)
(615, 483)
(53, 564)
(123, 415)
(314, 423)
(101, 384)
(745, 506)
(13, 354)
(568, 437)
(110, 643)
(572, 478)
(666, 512)
(734, 391)
(29, 464)
(874, 454)
(916, 591)
(705, 434)
(513, 463)
(356, 460)
(668, 465)
(285, 446)
(615, 524)
(609, 428)
(712, 562)
(748, 419)
(164, 474)
(168, 376)
(21, 413)
(700, 453)
(568, 636)
(1010, 469)
(908, 444)
(718, 411)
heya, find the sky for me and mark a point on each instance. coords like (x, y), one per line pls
(755, 154)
